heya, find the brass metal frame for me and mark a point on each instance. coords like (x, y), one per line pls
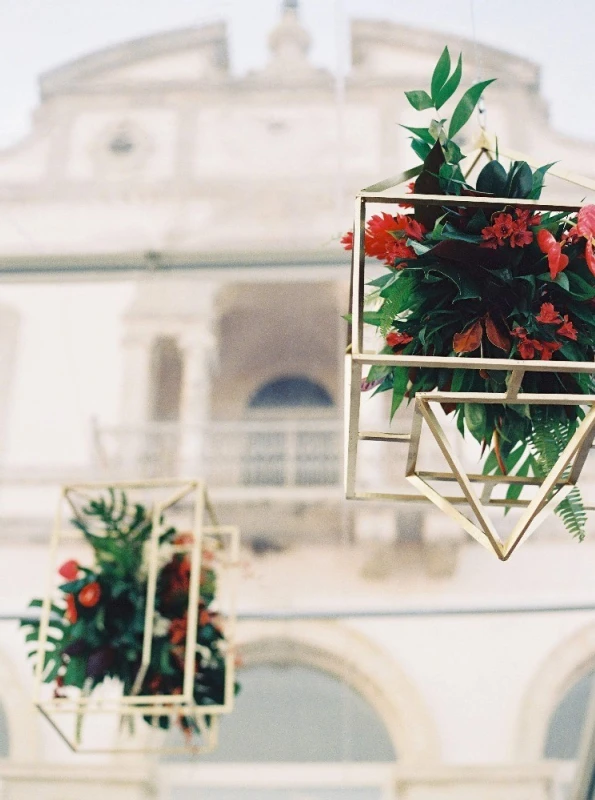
(77, 706)
(550, 491)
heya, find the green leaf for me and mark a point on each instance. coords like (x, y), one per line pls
(475, 419)
(453, 152)
(420, 100)
(400, 381)
(421, 133)
(372, 317)
(579, 287)
(561, 280)
(451, 85)
(440, 75)
(538, 178)
(467, 289)
(420, 148)
(520, 180)
(465, 107)
(76, 671)
(492, 179)
(384, 280)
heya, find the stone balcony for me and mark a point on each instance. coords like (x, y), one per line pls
(247, 455)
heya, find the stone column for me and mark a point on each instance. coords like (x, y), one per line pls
(128, 449)
(198, 345)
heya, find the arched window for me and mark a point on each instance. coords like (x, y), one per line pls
(166, 380)
(291, 392)
(292, 449)
(298, 713)
(292, 715)
(568, 720)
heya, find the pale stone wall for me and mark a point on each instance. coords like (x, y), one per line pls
(149, 156)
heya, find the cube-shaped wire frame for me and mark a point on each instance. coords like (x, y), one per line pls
(134, 706)
(552, 490)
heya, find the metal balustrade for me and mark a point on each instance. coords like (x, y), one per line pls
(229, 454)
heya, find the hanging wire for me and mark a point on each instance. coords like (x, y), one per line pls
(481, 106)
(341, 45)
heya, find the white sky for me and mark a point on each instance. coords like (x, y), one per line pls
(36, 35)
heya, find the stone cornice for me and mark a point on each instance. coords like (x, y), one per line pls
(367, 34)
(70, 76)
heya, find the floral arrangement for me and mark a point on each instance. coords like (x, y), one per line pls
(461, 282)
(97, 626)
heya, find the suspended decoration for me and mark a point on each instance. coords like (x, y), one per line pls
(486, 313)
(136, 634)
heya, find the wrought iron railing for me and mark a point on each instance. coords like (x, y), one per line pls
(229, 454)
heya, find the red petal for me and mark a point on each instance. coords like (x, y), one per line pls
(469, 340)
(69, 570)
(590, 256)
(586, 221)
(545, 240)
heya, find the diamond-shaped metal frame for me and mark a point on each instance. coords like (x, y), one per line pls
(552, 489)
(135, 705)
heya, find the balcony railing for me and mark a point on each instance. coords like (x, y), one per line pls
(229, 454)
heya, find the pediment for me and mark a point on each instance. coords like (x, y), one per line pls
(185, 56)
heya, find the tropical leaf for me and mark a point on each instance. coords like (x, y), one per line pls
(466, 106)
(469, 340)
(451, 85)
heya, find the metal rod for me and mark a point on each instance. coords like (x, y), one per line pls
(361, 613)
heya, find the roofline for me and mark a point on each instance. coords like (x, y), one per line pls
(122, 54)
(428, 40)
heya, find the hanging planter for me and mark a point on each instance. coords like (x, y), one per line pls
(137, 634)
(486, 309)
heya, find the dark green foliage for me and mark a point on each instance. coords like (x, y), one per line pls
(462, 291)
(90, 641)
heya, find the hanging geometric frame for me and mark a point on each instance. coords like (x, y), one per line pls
(72, 712)
(551, 490)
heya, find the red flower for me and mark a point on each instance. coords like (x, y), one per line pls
(71, 613)
(567, 329)
(347, 240)
(178, 630)
(527, 348)
(527, 218)
(586, 227)
(385, 237)
(496, 234)
(410, 190)
(398, 339)
(547, 243)
(69, 570)
(504, 228)
(547, 349)
(548, 315)
(520, 237)
(183, 538)
(89, 595)
(204, 617)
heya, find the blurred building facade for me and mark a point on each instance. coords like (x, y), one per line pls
(210, 207)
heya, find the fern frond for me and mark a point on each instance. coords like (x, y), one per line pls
(549, 436)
